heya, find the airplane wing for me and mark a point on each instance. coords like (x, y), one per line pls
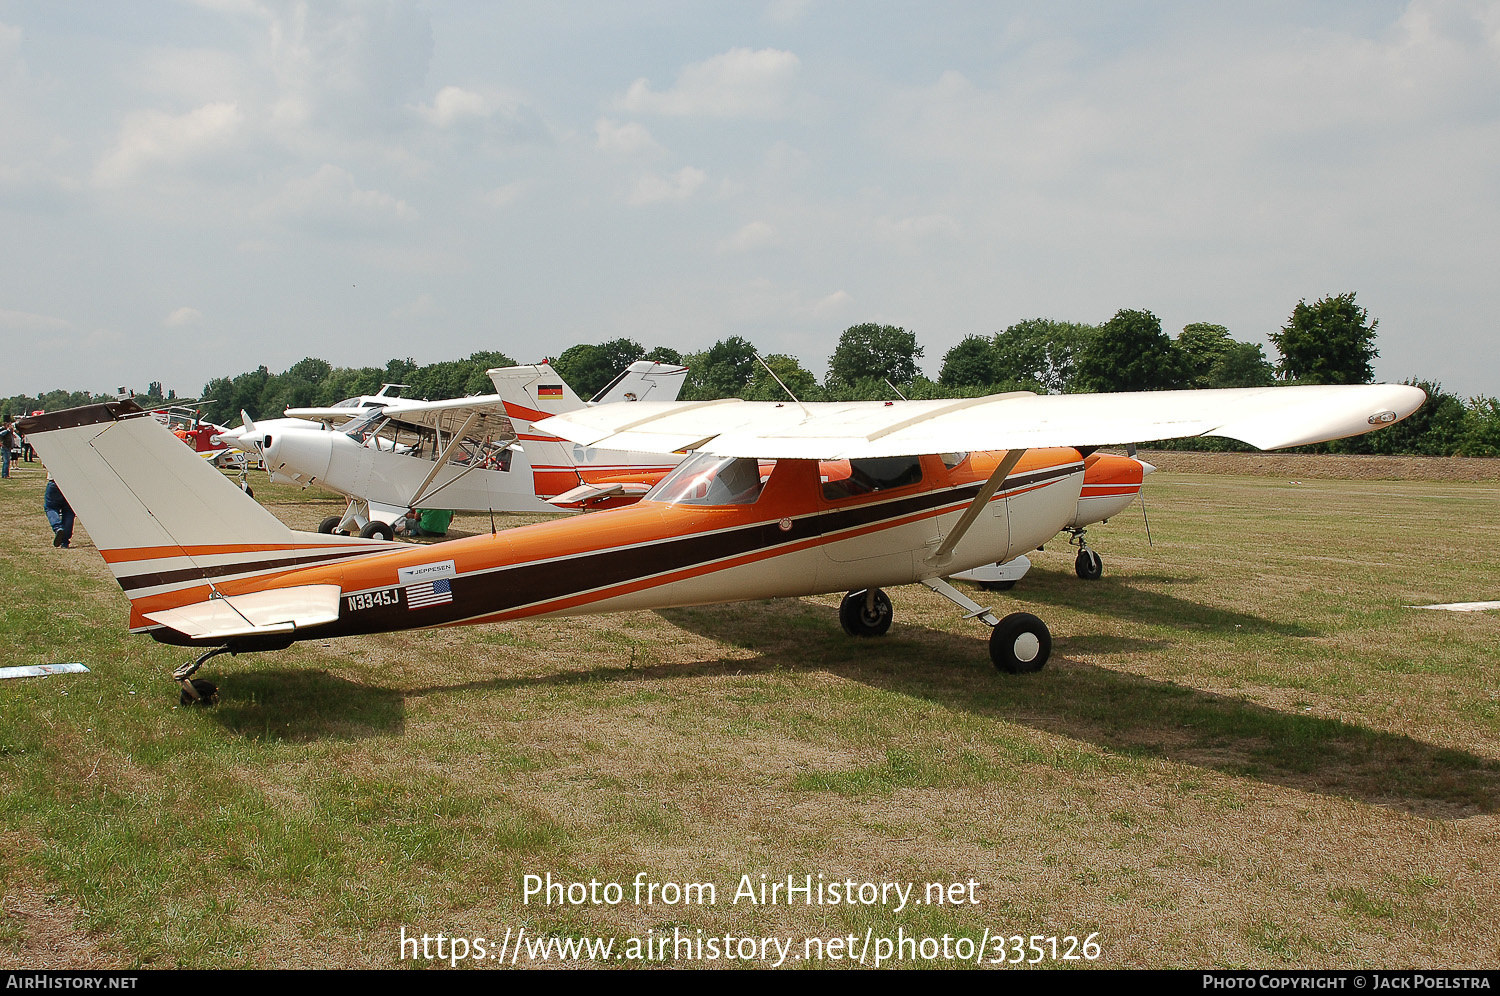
(449, 417)
(1265, 417)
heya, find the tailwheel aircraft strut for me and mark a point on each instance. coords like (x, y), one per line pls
(1020, 643)
(196, 691)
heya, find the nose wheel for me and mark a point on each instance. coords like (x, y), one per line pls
(1087, 564)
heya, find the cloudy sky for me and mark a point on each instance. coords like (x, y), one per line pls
(191, 189)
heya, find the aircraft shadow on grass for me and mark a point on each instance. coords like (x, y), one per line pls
(306, 704)
(1121, 712)
(1121, 599)
(1118, 712)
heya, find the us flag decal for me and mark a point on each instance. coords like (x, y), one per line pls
(420, 596)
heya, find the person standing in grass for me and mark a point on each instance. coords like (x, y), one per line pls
(59, 514)
(7, 440)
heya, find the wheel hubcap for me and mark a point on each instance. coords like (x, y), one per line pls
(1026, 647)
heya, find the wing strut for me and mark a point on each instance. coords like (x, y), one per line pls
(1008, 464)
(454, 439)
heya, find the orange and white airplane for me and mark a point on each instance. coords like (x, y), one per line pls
(775, 500)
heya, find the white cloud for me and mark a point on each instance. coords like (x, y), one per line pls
(183, 316)
(755, 235)
(677, 186)
(506, 194)
(22, 321)
(455, 105)
(154, 138)
(330, 200)
(628, 139)
(921, 227)
(739, 83)
(833, 303)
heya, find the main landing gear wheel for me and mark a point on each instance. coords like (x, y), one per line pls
(1088, 565)
(865, 613)
(330, 524)
(1020, 644)
(374, 529)
(997, 585)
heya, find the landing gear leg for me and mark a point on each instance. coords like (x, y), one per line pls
(196, 691)
(1087, 565)
(1019, 643)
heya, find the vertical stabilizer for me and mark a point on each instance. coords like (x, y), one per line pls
(170, 526)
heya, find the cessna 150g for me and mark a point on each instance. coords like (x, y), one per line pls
(776, 500)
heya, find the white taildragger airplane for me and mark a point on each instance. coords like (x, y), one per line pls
(456, 454)
(777, 500)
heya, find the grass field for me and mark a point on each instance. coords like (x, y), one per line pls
(1245, 752)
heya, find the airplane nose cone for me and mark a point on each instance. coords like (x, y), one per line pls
(1146, 468)
(298, 455)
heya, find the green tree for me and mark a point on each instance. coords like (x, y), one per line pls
(1131, 353)
(971, 363)
(664, 354)
(723, 370)
(1215, 359)
(1041, 354)
(1481, 437)
(588, 369)
(873, 352)
(799, 380)
(1330, 342)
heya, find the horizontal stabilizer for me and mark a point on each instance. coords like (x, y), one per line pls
(279, 610)
(590, 492)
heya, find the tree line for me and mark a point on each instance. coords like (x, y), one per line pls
(1331, 341)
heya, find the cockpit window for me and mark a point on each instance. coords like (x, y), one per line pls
(360, 427)
(951, 460)
(712, 480)
(851, 478)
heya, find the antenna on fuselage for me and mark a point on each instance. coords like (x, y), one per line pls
(893, 387)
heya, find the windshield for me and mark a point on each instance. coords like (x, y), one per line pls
(359, 427)
(712, 480)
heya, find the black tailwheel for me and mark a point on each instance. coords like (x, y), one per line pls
(866, 613)
(373, 529)
(330, 524)
(1088, 565)
(197, 691)
(1020, 644)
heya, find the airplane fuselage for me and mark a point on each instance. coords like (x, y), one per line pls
(802, 535)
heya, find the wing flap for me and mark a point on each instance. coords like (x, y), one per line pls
(1269, 418)
(279, 610)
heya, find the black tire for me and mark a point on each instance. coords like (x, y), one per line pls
(208, 693)
(330, 524)
(1020, 644)
(997, 585)
(857, 619)
(374, 529)
(1088, 565)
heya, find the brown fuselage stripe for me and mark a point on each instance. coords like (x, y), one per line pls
(507, 587)
(133, 581)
